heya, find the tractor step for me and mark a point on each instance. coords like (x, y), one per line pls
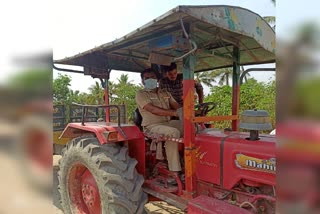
(170, 198)
(162, 207)
(161, 184)
(207, 205)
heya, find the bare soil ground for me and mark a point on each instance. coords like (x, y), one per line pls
(17, 195)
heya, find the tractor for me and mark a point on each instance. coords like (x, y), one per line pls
(108, 167)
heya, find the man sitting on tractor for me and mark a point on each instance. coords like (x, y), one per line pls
(157, 106)
(173, 83)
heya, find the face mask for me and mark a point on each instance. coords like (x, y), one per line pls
(150, 84)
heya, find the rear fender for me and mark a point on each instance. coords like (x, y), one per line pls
(74, 130)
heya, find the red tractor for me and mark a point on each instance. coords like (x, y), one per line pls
(109, 168)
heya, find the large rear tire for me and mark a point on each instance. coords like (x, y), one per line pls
(96, 178)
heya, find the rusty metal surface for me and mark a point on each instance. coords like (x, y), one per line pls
(215, 30)
(237, 20)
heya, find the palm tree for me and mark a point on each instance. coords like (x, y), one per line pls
(271, 21)
(74, 95)
(124, 80)
(205, 78)
(96, 94)
(112, 90)
(246, 76)
(119, 90)
(224, 75)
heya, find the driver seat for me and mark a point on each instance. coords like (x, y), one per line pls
(137, 119)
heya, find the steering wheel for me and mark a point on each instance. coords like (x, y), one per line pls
(204, 108)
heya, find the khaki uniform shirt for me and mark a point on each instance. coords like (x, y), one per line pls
(160, 98)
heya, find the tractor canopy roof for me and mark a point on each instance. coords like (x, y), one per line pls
(214, 29)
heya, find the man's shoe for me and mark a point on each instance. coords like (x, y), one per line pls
(182, 177)
(171, 181)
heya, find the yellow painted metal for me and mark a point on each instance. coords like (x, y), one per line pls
(215, 118)
(62, 141)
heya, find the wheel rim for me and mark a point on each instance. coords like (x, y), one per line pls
(83, 190)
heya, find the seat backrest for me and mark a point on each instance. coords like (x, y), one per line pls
(137, 118)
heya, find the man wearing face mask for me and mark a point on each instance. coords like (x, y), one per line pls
(157, 106)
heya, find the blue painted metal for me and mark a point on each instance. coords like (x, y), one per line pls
(169, 42)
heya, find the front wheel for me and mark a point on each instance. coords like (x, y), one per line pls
(99, 179)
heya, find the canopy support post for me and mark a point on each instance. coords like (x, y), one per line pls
(236, 87)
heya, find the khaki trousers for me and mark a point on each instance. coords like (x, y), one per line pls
(173, 128)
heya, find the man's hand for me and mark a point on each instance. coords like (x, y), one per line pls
(198, 112)
(160, 111)
(175, 113)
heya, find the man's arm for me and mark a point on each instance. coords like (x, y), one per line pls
(199, 90)
(160, 111)
(173, 103)
(146, 104)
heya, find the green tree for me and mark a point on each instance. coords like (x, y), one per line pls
(121, 93)
(61, 90)
(246, 76)
(33, 80)
(96, 94)
(112, 91)
(77, 97)
(125, 94)
(224, 75)
(253, 95)
(271, 19)
(205, 78)
(124, 80)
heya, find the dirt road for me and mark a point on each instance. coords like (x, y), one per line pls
(17, 195)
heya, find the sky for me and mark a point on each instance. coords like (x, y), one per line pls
(73, 26)
(24, 32)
